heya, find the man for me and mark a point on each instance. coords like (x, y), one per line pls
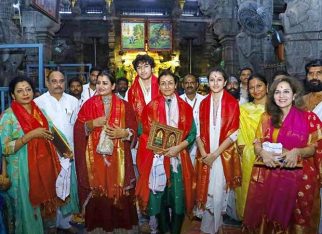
(233, 87)
(245, 73)
(122, 84)
(62, 111)
(144, 88)
(89, 89)
(313, 83)
(75, 87)
(190, 85)
(313, 102)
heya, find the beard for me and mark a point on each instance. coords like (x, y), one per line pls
(234, 92)
(313, 85)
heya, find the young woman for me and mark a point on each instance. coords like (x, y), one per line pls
(218, 165)
(250, 114)
(175, 161)
(106, 181)
(283, 196)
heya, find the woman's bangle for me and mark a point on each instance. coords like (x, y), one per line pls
(22, 141)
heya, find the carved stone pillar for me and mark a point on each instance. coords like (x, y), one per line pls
(303, 38)
(39, 29)
(225, 26)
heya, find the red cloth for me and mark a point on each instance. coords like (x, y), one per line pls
(136, 97)
(230, 158)
(155, 111)
(283, 198)
(43, 161)
(108, 192)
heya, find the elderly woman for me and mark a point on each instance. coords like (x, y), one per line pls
(32, 162)
(106, 179)
(283, 195)
(177, 190)
(250, 114)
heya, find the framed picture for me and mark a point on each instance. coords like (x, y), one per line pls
(163, 136)
(47, 7)
(132, 35)
(160, 35)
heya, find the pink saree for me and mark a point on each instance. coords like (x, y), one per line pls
(284, 200)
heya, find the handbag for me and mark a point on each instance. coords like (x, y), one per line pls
(5, 182)
(105, 145)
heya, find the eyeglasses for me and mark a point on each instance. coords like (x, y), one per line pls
(57, 81)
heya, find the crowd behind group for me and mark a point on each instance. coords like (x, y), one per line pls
(249, 150)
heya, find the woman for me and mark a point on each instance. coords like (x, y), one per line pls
(177, 190)
(32, 162)
(283, 196)
(106, 180)
(250, 114)
(218, 165)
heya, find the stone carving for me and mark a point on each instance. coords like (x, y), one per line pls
(10, 59)
(302, 24)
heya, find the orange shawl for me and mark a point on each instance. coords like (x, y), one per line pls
(43, 161)
(92, 172)
(155, 111)
(229, 158)
(136, 97)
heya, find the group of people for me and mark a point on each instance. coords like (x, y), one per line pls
(257, 145)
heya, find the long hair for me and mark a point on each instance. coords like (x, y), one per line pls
(275, 111)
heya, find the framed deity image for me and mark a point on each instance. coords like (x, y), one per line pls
(132, 34)
(163, 136)
(160, 35)
(48, 7)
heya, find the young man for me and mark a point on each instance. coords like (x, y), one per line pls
(190, 85)
(75, 87)
(62, 110)
(245, 73)
(89, 89)
(122, 84)
(144, 88)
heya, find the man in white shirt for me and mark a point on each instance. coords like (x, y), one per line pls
(245, 73)
(62, 109)
(190, 85)
(75, 88)
(89, 89)
(122, 85)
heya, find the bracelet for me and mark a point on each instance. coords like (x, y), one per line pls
(22, 141)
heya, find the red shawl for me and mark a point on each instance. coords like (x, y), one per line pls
(155, 111)
(92, 172)
(43, 163)
(230, 158)
(136, 97)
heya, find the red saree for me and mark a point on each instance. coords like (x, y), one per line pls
(230, 158)
(43, 161)
(155, 111)
(136, 97)
(109, 190)
(285, 200)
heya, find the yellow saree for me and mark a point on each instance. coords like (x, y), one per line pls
(249, 118)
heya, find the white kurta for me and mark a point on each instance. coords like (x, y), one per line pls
(195, 104)
(87, 92)
(63, 114)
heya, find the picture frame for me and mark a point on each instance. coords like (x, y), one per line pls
(160, 35)
(163, 136)
(132, 35)
(49, 8)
